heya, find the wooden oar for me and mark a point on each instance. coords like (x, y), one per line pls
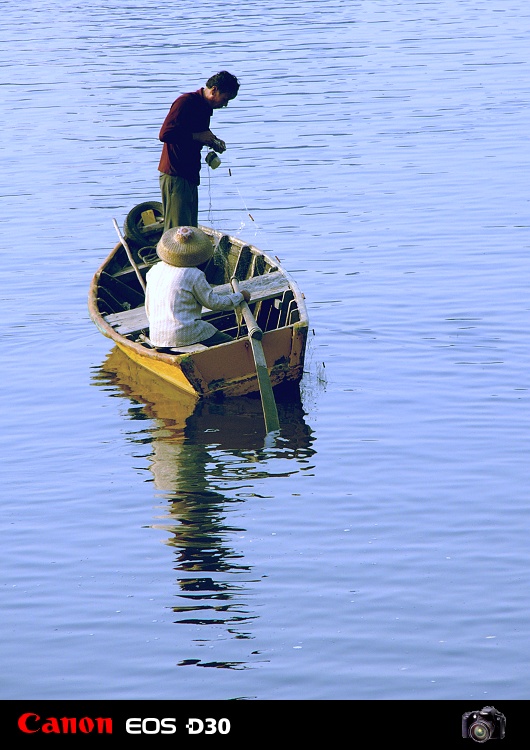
(129, 255)
(255, 334)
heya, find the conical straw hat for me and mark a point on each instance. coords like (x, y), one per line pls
(185, 247)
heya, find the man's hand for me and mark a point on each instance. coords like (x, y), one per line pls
(218, 145)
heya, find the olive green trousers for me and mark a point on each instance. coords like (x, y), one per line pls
(180, 199)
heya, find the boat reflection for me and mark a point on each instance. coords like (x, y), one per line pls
(205, 457)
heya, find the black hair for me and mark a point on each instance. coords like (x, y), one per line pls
(225, 82)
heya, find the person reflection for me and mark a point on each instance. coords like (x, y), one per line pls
(200, 529)
(200, 452)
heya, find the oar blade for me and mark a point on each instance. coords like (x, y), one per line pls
(270, 412)
(268, 402)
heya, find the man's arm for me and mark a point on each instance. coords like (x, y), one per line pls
(180, 121)
(208, 138)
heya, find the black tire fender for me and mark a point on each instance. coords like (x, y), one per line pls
(134, 227)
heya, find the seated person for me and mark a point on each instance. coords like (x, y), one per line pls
(177, 290)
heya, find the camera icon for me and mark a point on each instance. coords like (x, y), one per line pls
(484, 725)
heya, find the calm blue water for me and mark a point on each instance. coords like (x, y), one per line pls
(380, 549)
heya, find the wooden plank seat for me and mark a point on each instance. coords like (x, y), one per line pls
(261, 288)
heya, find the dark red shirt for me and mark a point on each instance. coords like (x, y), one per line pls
(181, 155)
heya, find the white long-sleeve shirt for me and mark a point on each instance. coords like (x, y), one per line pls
(173, 303)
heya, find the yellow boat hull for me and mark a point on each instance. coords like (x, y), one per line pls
(229, 368)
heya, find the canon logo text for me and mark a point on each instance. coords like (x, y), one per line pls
(30, 723)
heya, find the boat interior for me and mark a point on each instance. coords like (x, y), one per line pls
(273, 303)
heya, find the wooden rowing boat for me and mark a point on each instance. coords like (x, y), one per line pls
(116, 305)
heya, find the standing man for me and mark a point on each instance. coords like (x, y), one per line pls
(184, 132)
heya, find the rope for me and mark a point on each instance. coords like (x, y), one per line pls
(210, 209)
